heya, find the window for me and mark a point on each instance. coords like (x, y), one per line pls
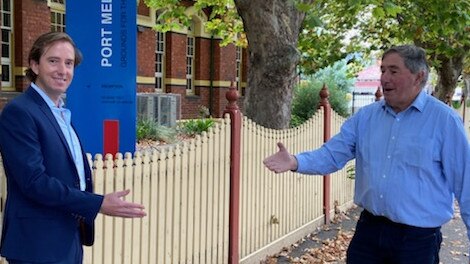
(57, 21)
(190, 60)
(57, 15)
(6, 27)
(159, 61)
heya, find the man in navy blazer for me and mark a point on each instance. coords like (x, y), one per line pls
(50, 206)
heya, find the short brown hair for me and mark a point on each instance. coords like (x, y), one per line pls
(37, 50)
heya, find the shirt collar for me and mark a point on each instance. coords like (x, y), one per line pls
(418, 103)
(46, 98)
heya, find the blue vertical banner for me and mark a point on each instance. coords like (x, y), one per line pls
(102, 96)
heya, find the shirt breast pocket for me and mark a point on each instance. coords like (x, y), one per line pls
(418, 152)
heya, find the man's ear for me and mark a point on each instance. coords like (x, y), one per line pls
(419, 78)
(34, 65)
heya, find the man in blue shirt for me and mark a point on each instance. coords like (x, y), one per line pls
(412, 158)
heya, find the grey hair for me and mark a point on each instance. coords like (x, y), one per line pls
(414, 58)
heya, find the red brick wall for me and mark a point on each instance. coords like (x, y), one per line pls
(146, 52)
(226, 65)
(175, 55)
(31, 19)
(142, 9)
(224, 70)
(146, 57)
(202, 60)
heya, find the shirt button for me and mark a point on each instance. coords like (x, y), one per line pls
(384, 176)
(388, 156)
(381, 196)
(393, 137)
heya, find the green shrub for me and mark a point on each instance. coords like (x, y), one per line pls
(456, 104)
(296, 121)
(307, 98)
(197, 126)
(351, 172)
(150, 130)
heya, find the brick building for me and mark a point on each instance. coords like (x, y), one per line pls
(189, 62)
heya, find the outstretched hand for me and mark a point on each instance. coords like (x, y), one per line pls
(113, 205)
(281, 161)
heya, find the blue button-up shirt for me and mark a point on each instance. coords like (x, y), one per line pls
(63, 117)
(409, 165)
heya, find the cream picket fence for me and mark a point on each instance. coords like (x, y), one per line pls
(185, 189)
(280, 209)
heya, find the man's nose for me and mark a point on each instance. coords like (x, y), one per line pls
(61, 68)
(385, 76)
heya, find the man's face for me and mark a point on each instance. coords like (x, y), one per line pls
(400, 86)
(55, 69)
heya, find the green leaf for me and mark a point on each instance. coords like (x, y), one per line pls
(378, 13)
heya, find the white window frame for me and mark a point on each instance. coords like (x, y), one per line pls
(159, 62)
(190, 55)
(58, 13)
(6, 61)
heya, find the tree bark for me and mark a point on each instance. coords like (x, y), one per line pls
(448, 75)
(272, 29)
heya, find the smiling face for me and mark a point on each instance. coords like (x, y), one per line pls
(400, 86)
(55, 69)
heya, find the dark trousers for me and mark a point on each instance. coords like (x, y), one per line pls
(378, 240)
(75, 255)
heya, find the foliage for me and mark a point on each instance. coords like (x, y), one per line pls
(148, 129)
(305, 102)
(222, 21)
(197, 126)
(439, 26)
(351, 171)
(339, 82)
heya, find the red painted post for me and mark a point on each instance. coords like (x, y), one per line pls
(464, 106)
(326, 136)
(235, 138)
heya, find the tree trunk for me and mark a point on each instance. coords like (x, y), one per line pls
(448, 75)
(272, 29)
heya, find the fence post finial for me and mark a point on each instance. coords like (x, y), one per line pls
(324, 95)
(378, 94)
(232, 97)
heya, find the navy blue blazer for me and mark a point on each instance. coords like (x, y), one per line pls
(44, 203)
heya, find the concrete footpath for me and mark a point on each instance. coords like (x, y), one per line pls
(454, 248)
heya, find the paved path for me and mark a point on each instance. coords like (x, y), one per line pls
(454, 250)
(455, 244)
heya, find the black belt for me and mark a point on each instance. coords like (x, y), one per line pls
(369, 217)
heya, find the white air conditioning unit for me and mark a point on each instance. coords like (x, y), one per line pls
(164, 109)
